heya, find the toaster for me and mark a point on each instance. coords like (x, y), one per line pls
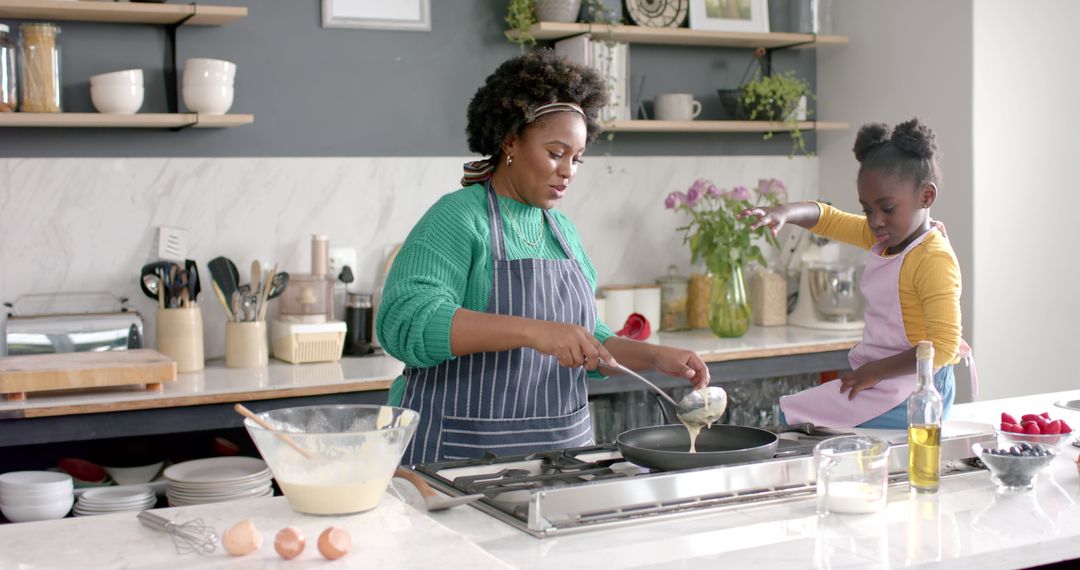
(41, 332)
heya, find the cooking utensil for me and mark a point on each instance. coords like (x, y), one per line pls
(192, 536)
(151, 284)
(224, 304)
(666, 448)
(261, 311)
(696, 408)
(432, 500)
(243, 411)
(223, 271)
(278, 284)
(256, 275)
(194, 285)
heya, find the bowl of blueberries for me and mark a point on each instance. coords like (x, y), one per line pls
(1015, 468)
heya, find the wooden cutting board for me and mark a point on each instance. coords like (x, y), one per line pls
(74, 370)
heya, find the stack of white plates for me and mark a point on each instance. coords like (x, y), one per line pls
(105, 500)
(217, 479)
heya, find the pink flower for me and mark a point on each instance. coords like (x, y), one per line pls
(713, 192)
(674, 200)
(771, 186)
(699, 185)
(692, 196)
(739, 193)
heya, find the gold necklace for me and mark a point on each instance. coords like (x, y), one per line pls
(521, 234)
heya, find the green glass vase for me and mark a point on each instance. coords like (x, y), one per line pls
(729, 305)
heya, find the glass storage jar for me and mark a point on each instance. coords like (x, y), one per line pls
(8, 100)
(673, 301)
(40, 68)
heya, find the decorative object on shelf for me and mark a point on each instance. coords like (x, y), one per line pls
(801, 16)
(729, 15)
(601, 11)
(118, 92)
(776, 97)
(39, 68)
(658, 13)
(557, 10)
(8, 91)
(401, 15)
(676, 107)
(208, 85)
(519, 16)
(725, 243)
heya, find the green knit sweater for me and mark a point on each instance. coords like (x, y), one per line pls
(446, 264)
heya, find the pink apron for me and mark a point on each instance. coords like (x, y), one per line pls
(883, 336)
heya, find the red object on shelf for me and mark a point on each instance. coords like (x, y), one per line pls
(828, 376)
(637, 327)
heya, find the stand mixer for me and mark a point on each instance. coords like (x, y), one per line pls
(829, 297)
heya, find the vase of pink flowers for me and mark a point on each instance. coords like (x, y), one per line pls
(725, 243)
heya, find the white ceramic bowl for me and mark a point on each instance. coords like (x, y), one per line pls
(117, 99)
(125, 77)
(16, 481)
(25, 499)
(208, 99)
(199, 65)
(38, 512)
(134, 475)
(196, 78)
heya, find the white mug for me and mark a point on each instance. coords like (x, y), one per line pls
(676, 107)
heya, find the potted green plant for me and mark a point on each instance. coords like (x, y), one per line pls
(777, 97)
(519, 16)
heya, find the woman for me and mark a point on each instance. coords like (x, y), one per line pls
(490, 301)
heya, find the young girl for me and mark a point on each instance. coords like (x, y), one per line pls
(911, 281)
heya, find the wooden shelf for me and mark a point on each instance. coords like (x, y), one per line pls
(122, 12)
(136, 121)
(717, 126)
(678, 36)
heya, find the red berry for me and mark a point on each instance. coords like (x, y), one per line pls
(1029, 417)
(1065, 427)
(1032, 428)
(1046, 415)
(1006, 426)
(1053, 428)
(1043, 422)
(1007, 419)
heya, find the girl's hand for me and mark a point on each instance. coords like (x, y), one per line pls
(572, 345)
(856, 381)
(681, 363)
(774, 217)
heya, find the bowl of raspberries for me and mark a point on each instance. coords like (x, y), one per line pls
(1015, 468)
(1032, 429)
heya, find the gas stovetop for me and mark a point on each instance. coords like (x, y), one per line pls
(556, 492)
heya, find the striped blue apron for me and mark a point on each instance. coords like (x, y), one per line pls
(516, 401)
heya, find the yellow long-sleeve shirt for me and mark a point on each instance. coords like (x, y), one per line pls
(929, 282)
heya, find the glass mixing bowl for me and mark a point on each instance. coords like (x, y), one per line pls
(354, 450)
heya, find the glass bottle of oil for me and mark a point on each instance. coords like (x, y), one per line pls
(925, 410)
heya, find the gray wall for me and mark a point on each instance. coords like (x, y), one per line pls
(347, 92)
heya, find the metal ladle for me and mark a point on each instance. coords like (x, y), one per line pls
(153, 285)
(698, 408)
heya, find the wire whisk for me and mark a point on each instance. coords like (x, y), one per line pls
(192, 536)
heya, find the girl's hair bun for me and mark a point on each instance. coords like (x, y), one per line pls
(871, 136)
(914, 137)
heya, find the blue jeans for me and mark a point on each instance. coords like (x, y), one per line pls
(897, 418)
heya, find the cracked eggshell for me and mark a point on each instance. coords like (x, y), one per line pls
(243, 538)
(334, 542)
(289, 542)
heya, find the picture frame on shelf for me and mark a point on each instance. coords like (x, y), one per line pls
(401, 15)
(730, 15)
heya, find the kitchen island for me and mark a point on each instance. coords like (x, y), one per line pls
(966, 525)
(203, 400)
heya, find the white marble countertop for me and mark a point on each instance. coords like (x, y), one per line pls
(217, 384)
(966, 525)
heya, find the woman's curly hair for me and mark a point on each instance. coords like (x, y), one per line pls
(522, 84)
(909, 152)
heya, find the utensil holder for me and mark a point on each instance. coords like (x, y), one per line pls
(180, 336)
(246, 344)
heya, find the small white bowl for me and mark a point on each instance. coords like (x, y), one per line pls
(133, 475)
(117, 99)
(211, 100)
(196, 78)
(204, 64)
(38, 512)
(125, 77)
(16, 481)
(26, 499)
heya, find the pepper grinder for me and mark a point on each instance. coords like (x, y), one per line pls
(358, 320)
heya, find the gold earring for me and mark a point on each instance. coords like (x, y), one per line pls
(509, 159)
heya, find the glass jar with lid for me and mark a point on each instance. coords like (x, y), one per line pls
(39, 68)
(8, 97)
(673, 301)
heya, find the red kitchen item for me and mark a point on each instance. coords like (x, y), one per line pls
(637, 327)
(82, 470)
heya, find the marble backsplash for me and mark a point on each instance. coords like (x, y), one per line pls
(89, 224)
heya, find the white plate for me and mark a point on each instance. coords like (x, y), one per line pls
(185, 503)
(260, 479)
(231, 490)
(216, 470)
(118, 494)
(157, 486)
(246, 493)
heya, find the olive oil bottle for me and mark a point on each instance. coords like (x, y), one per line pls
(925, 410)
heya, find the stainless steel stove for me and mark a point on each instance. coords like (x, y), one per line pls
(558, 492)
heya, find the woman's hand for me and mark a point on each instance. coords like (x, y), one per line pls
(774, 217)
(682, 364)
(572, 345)
(856, 381)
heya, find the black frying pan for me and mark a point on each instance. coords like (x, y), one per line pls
(667, 448)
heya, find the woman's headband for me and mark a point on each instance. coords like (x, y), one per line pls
(480, 170)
